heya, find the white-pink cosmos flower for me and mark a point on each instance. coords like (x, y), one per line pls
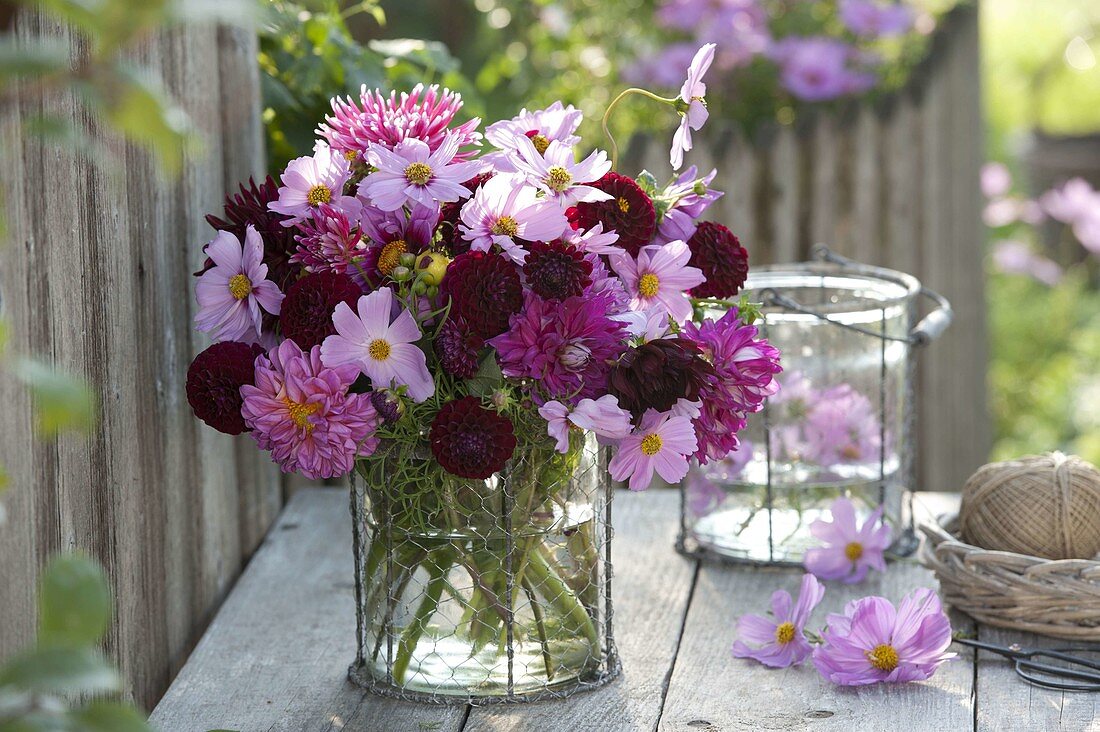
(413, 173)
(661, 443)
(231, 293)
(603, 416)
(383, 350)
(659, 277)
(312, 180)
(694, 112)
(542, 126)
(506, 208)
(594, 241)
(559, 176)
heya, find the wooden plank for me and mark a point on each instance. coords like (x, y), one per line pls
(276, 655)
(785, 205)
(866, 188)
(737, 209)
(651, 589)
(901, 153)
(823, 184)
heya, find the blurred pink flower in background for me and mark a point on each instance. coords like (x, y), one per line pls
(1015, 257)
(870, 18)
(818, 68)
(996, 180)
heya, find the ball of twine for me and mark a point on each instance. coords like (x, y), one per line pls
(1041, 505)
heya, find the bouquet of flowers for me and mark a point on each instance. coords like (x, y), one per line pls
(458, 326)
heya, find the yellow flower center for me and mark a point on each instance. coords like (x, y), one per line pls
(651, 444)
(648, 284)
(350, 155)
(624, 205)
(300, 413)
(558, 178)
(379, 349)
(505, 226)
(391, 255)
(418, 173)
(541, 142)
(240, 286)
(784, 633)
(883, 657)
(318, 194)
(853, 551)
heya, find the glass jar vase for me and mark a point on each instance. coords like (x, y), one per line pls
(841, 423)
(479, 591)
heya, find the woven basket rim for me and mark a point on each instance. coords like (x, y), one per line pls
(943, 529)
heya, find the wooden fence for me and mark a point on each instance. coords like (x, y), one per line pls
(893, 183)
(96, 277)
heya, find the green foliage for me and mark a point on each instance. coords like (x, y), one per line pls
(62, 402)
(65, 623)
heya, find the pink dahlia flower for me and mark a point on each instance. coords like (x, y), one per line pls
(505, 209)
(661, 443)
(692, 97)
(310, 181)
(302, 412)
(412, 173)
(541, 126)
(423, 114)
(232, 292)
(380, 346)
(780, 641)
(872, 642)
(659, 277)
(329, 242)
(850, 550)
(557, 174)
(602, 416)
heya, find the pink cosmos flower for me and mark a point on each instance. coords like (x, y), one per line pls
(329, 242)
(996, 180)
(302, 412)
(660, 443)
(602, 416)
(505, 209)
(1073, 202)
(381, 347)
(231, 293)
(692, 96)
(412, 173)
(659, 277)
(819, 68)
(1016, 257)
(872, 642)
(310, 181)
(594, 241)
(780, 641)
(874, 19)
(841, 427)
(850, 551)
(687, 205)
(645, 325)
(542, 127)
(703, 484)
(559, 176)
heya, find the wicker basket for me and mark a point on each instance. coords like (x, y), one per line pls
(1059, 598)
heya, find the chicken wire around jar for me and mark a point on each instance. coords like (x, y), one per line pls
(496, 591)
(841, 425)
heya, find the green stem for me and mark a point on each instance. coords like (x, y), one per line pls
(540, 625)
(438, 565)
(561, 597)
(607, 116)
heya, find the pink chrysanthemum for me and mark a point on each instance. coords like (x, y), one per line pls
(231, 293)
(779, 641)
(661, 443)
(423, 114)
(659, 277)
(412, 173)
(329, 242)
(302, 412)
(312, 180)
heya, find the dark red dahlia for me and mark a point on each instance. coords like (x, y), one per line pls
(457, 348)
(484, 290)
(725, 263)
(658, 373)
(214, 383)
(387, 404)
(471, 441)
(306, 314)
(556, 270)
(249, 207)
(447, 228)
(629, 212)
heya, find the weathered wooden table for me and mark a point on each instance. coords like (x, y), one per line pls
(276, 655)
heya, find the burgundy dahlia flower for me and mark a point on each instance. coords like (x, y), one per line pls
(471, 441)
(556, 270)
(457, 348)
(725, 263)
(484, 290)
(214, 383)
(629, 212)
(659, 373)
(307, 309)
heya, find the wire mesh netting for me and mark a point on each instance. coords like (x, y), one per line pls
(482, 591)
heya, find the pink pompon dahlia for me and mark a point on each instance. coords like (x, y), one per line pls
(557, 174)
(872, 642)
(661, 443)
(424, 114)
(329, 242)
(780, 641)
(412, 173)
(302, 412)
(312, 180)
(692, 100)
(504, 211)
(233, 291)
(660, 277)
(603, 416)
(850, 550)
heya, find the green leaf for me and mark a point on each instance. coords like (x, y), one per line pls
(102, 716)
(68, 671)
(487, 379)
(74, 603)
(647, 183)
(43, 56)
(61, 401)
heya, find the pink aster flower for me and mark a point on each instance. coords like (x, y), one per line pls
(310, 181)
(232, 292)
(505, 209)
(659, 277)
(780, 641)
(841, 427)
(423, 114)
(661, 443)
(602, 416)
(872, 642)
(382, 347)
(850, 550)
(302, 412)
(874, 19)
(329, 242)
(542, 126)
(412, 173)
(691, 104)
(557, 174)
